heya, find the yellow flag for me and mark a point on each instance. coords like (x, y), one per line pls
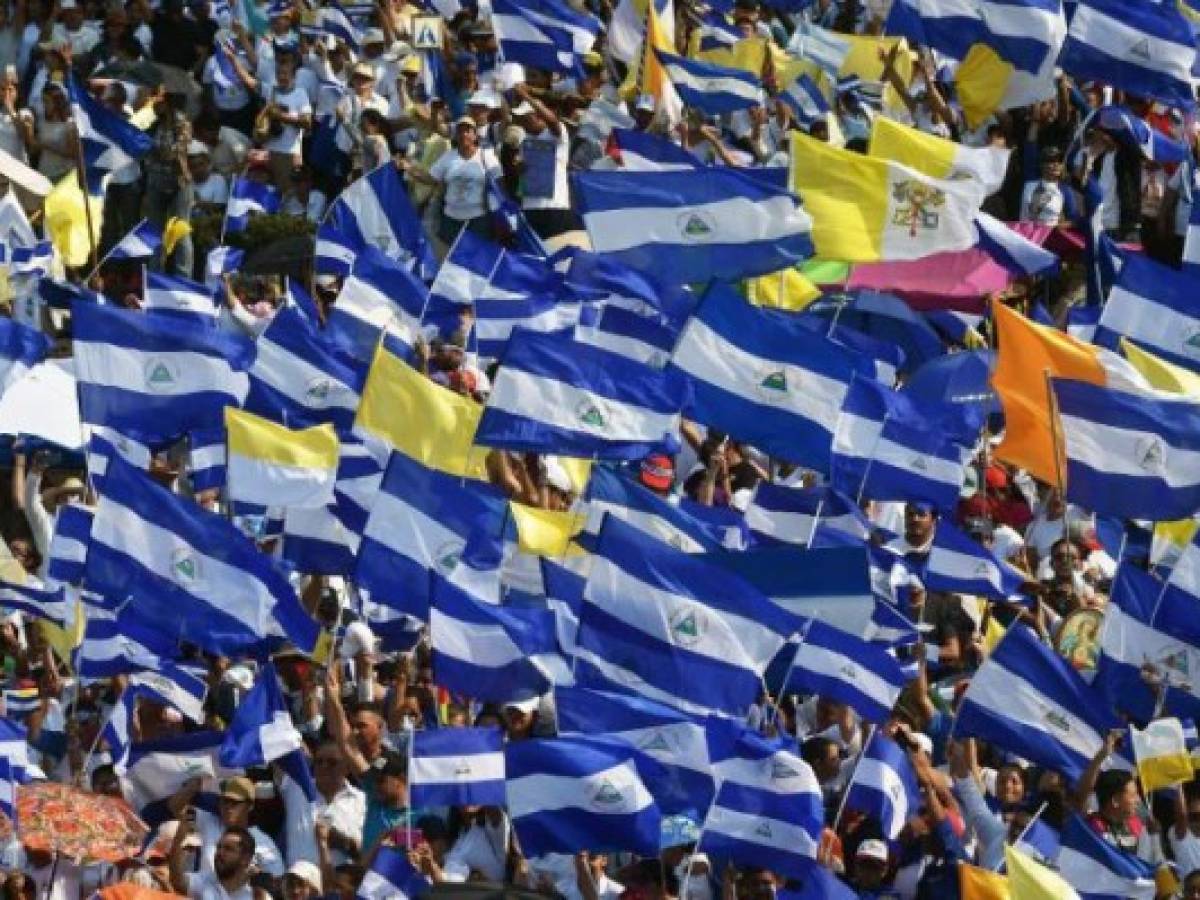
(864, 61)
(547, 532)
(1160, 751)
(1030, 880)
(177, 229)
(63, 641)
(1164, 375)
(66, 220)
(980, 884)
(426, 421)
(1171, 537)
(649, 76)
(981, 82)
(786, 289)
(748, 54)
(579, 471)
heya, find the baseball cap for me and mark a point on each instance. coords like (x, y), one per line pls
(525, 704)
(484, 98)
(373, 36)
(464, 120)
(522, 109)
(646, 102)
(657, 472)
(872, 848)
(197, 148)
(305, 871)
(240, 788)
(363, 70)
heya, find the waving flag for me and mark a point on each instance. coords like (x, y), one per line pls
(109, 142)
(642, 339)
(1151, 304)
(299, 379)
(700, 225)
(262, 729)
(273, 465)
(1098, 868)
(790, 515)
(170, 686)
(220, 261)
(8, 790)
(958, 564)
(41, 603)
(468, 273)
(392, 877)
(496, 320)
(866, 209)
(1027, 699)
(420, 523)
(576, 400)
(765, 377)
(641, 151)
(157, 769)
(805, 100)
(374, 211)
(575, 793)
(189, 571)
(711, 88)
(612, 283)
(380, 297)
(544, 34)
(68, 545)
(120, 643)
(21, 348)
(838, 665)
(1161, 753)
(457, 767)
(884, 786)
(142, 242)
(1132, 131)
(1146, 49)
(674, 739)
(179, 296)
(336, 21)
(154, 376)
(672, 627)
(610, 494)
(249, 198)
(937, 156)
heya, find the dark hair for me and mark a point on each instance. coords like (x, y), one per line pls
(245, 838)
(816, 748)
(1111, 783)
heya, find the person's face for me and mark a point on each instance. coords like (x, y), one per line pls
(296, 888)
(229, 857)
(1064, 560)
(829, 765)
(328, 769)
(72, 18)
(820, 131)
(1124, 804)
(392, 790)
(24, 553)
(345, 885)
(468, 139)
(759, 886)
(367, 731)
(868, 873)
(234, 812)
(517, 722)
(285, 74)
(1009, 787)
(1055, 506)
(107, 784)
(363, 86)
(918, 524)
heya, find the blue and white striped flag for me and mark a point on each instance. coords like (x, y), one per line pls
(51, 604)
(392, 877)
(178, 296)
(249, 198)
(189, 571)
(34, 260)
(575, 793)
(805, 100)
(1130, 455)
(711, 88)
(221, 261)
(884, 786)
(262, 729)
(118, 642)
(155, 376)
(421, 523)
(958, 564)
(641, 151)
(142, 242)
(14, 747)
(21, 348)
(830, 662)
(1144, 49)
(790, 515)
(109, 142)
(557, 396)
(206, 458)
(673, 627)
(764, 376)
(8, 791)
(68, 545)
(719, 223)
(494, 653)
(157, 769)
(1012, 250)
(379, 297)
(496, 320)
(1027, 699)
(457, 767)
(1100, 870)
(336, 21)
(610, 493)
(544, 34)
(170, 686)
(641, 338)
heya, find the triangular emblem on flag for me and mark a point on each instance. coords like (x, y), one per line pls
(607, 794)
(657, 742)
(1141, 49)
(775, 381)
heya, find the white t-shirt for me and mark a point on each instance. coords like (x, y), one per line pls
(560, 198)
(295, 103)
(267, 857)
(207, 887)
(1187, 852)
(466, 182)
(212, 189)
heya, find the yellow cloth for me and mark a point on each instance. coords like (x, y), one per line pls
(748, 54)
(864, 61)
(786, 289)
(254, 437)
(579, 471)
(177, 229)
(649, 76)
(1030, 880)
(547, 532)
(980, 884)
(66, 221)
(1164, 375)
(1161, 753)
(1027, 352)
(981, 82)
(426, 421)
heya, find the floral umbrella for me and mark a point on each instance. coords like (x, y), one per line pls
(82, 826)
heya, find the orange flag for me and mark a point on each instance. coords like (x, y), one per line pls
(1027, 353)
(980, 884)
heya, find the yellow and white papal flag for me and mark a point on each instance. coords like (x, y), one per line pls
(273, 465)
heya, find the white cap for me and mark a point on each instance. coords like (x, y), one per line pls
(239, 676)
(359, 639)
(872, 848)
(198, 148)
(522, 109)
(306, 871)
(525, 705)
(374, 36)
(646, 102)
(556, 476)
(484, 98)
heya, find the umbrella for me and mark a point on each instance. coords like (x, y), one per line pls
(289, 256)
(82, 826)
(480, 890)
(140, 72)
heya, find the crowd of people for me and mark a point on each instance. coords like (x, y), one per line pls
(277, 109)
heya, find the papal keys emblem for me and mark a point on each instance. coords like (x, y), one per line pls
(917, 205)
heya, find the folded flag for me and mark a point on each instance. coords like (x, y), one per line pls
(884, 786)
(168, 294)
(1027, 699)
(671, 737)
(261, 730)
(249, 198)
(1145, 49)
(421, 523)
(189, 571)
(958, 564)
(1100, 869)
(568, 398)
(1150, 304)
(392, 877)
(574, 793)
(936, 156)
(374, 211)
(792, 515)
(764, 377)
(154, 376)
(109, 142)
(21, 348)
(457, 767)
(673, 627)
(380, 297)
(142, 242)
(711, 88)
(718, 223)
(277, 466)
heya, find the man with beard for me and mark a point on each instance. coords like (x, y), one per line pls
(230, 876)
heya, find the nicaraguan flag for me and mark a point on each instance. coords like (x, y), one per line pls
(606, 281)
(556, 396)
(958, 564)
(672, 627)
(884, 786)
(886, 446)
(457, 767)
(189, 571)
(1098, 868)
(1145, 49)
(8, 790)
(420, 523)
(249, 198)
(169, 294)
(392, 877)
(1152, 305)
(153, 376)
(496, 320)
(496, 653)
(610, 493)
(374, 211)
(262, 729)
(718, 223)
(574, 793)
(21, 348)
(709, 87)
(221, 260)
(765, 377)
(142, 242)
(789, 515)
(335, 21)
(805, 101)
(640, 151)
(206, 458)
(543, 34)
(272, 465)
(157, 769)
(1135, 456)
(109, 142)
(644, 340)
(380, 297)
(1027, 699)
(68, 545)
(120, 643)
(830, 662)
(51, 604)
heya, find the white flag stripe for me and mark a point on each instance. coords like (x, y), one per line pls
(450, 769)
(532, 794)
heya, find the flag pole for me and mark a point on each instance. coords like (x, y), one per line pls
(850, 781)
(81, 174)
(1055, 438)
(1024, 831)
(113, 249)
(812, 534)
